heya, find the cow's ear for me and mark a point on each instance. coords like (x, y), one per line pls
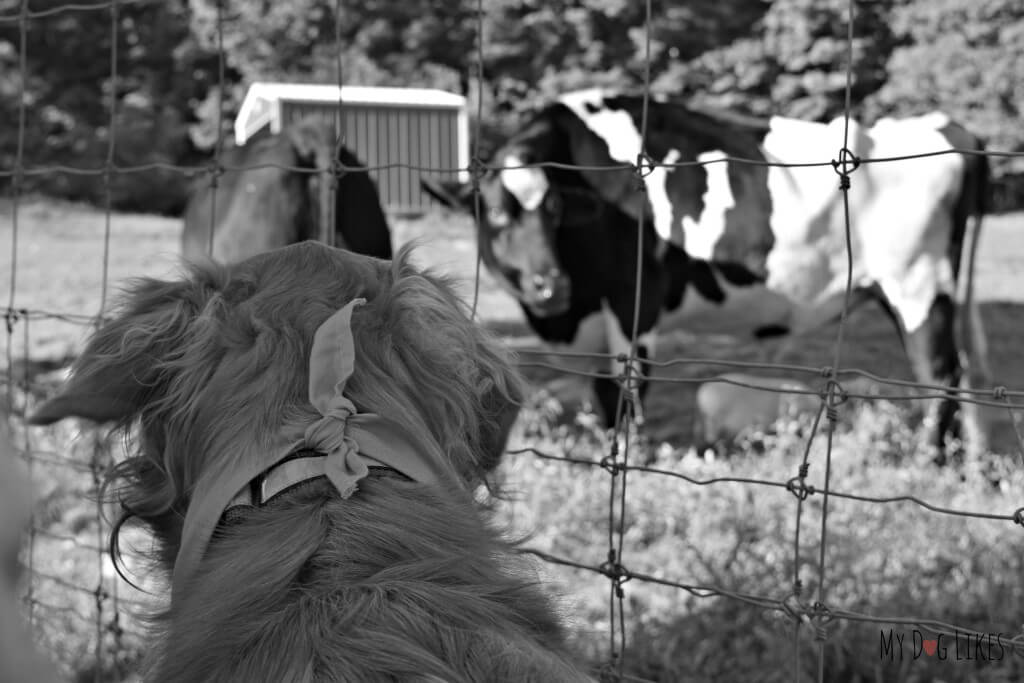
(453, 194)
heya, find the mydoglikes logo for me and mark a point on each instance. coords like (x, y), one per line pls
(959, 647)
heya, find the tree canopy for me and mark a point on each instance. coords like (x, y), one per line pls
(755, 56)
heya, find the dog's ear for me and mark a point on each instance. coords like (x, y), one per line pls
(501, 403)
(120, 366)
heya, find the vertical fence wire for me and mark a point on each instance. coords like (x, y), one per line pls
(476, 165)
(216, 170)
(96, 464)
(628, 400)
(13, 316)
(327, 216)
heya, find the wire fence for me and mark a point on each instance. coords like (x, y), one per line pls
(99, 604)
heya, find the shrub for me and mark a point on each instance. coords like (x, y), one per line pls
(894, 560)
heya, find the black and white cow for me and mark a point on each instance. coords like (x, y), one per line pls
(728, 246)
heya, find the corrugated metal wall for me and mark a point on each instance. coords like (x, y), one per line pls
(424, 137)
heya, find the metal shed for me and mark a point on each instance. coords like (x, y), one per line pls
(421, 127)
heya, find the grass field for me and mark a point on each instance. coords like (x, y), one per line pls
(887, 560)
(59, 269)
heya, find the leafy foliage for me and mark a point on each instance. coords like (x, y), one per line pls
(70, 92)
(759, 56)
(884, 560)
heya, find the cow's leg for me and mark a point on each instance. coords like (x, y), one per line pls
(977, 420)
(607, 393)
(935, 360)
(607, 389)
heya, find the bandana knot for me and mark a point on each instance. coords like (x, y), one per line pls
(330, 435)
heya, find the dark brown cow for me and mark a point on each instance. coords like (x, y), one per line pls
(271, 195)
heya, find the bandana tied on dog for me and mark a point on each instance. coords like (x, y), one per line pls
(353, 442)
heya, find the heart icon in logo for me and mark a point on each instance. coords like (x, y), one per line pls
(929, 647)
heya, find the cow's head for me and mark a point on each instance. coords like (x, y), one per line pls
(519, 214)
(525, 203)
(313, 142)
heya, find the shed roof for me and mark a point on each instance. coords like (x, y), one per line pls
(262, 103)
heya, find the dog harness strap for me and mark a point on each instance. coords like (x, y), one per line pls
(381, 443)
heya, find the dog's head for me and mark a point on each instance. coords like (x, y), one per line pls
(215, 367)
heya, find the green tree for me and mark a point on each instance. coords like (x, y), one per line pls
(966, 59)
(794, 62)
(757, 56)
(71, 82)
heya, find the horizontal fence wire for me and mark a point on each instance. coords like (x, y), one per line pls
(200, 169)
(104, 605)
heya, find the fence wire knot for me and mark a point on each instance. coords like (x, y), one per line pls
(338, 171)
(798, 487)
(1018, 516)
(999, 393)
(822, 615)
(477, 170)
(216, 170)
(12, 316)
(614, 570)
(610, 464)
(630, 382)
(835, 394)
(847, 163)
(795, 609)
(645, 165)
(822, 612)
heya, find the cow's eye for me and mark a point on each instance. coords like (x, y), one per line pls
(497, 216)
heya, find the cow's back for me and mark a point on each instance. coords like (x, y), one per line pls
(259, 203)
(901, 212)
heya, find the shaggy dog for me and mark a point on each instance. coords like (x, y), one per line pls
(312, 425)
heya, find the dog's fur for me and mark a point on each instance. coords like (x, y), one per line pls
(402, 581)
